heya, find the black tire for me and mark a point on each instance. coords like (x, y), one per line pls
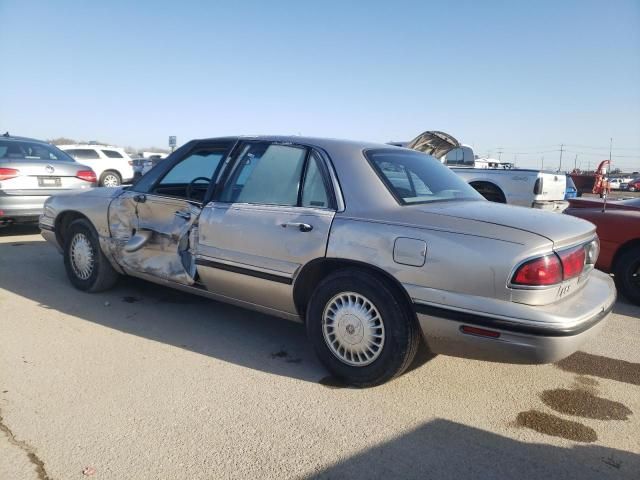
(401, 330)
(102, 276)
(110, 174)
(627, 274)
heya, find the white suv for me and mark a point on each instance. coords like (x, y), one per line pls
(113, 166)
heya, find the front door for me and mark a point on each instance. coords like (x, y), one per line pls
(162, 218)
(272, 215)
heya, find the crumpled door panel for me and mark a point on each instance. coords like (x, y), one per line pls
(155, 239)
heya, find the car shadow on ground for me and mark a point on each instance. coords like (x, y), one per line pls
(33, 269)
(441, 449)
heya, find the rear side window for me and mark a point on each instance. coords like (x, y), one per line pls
(82, 153)
(112, 154)
(314, 190)
(267, 174)
(414, 177)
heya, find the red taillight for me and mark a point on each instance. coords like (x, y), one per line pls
(572, 261)
(7, 173)
(87, 176)
(545, 270)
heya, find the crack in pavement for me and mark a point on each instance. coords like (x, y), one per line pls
(26, 448)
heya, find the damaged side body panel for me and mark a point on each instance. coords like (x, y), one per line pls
(155, 236)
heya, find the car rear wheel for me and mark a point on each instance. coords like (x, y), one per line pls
(361, 329)
(110, 179)
(627, 274)
(87, 267)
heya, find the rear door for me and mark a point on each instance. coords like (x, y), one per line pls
(272, 215)
(155, 224)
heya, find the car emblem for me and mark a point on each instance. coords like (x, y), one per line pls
(50, 169)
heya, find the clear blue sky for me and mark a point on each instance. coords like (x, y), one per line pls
(524, 76)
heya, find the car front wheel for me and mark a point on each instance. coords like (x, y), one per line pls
(87, 267)
(362, 330)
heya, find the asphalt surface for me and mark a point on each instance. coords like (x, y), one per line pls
(144, 382)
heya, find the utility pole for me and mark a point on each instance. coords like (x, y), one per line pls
(575, 162)
(542, 163)
(610, 148)
(561, 149)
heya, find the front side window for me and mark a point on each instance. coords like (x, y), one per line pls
(14, 150)
(267, 174)
(190, 178)
(414, 177)
(83, 153)
(112, 154)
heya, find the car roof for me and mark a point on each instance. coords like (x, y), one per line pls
(325, 143)
(89, 145)
(22, 139)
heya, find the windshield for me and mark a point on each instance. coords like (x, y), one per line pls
(22, 150)
(414, 177)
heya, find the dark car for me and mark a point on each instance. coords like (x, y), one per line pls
(634, 185)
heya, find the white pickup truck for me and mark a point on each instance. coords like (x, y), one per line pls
(527, 188)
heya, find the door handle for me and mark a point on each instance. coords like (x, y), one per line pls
(185, 215)
(303, 227)
(140, 198)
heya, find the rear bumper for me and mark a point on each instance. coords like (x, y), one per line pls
(21, 208)
(535, 335)
(553, 206)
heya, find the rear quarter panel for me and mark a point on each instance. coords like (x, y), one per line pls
(455, 262)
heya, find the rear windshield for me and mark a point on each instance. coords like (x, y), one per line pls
(414, 177)
(22, 150)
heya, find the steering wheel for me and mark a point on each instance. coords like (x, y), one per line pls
(192, 184)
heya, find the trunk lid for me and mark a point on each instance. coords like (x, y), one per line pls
(559, 229)
(434, 143)
(42, 177)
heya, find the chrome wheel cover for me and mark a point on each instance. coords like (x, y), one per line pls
(110, 180)
(81, 256)
(353, 329)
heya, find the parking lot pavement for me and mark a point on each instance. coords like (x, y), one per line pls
(146, 382)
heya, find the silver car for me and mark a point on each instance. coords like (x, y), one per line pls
(373, 247)
(30, 172)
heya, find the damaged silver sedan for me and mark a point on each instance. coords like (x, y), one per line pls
(373, 247)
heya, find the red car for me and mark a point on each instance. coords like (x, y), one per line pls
(634, 185)
(619, 230)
